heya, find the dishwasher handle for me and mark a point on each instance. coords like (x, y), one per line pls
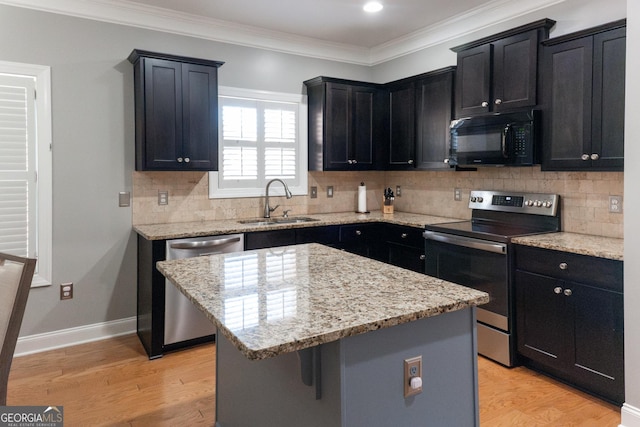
(467, 242)
(204, 243)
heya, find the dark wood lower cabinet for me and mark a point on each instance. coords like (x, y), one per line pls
(571, 330)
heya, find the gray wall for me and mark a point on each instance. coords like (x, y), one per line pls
(632, 213)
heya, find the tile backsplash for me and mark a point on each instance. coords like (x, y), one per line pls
(584, 195)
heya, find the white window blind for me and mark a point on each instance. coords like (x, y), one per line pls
(262, 137)
(25, 165)
(18, 222)
(258, 142)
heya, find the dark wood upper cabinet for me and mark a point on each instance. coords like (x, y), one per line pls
(420, 112)
(583, 99)
(176, 107)
(500, 72)
(402, 125)
(346, 119)
(434, 109)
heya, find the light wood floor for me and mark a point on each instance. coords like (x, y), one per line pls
(112, 383)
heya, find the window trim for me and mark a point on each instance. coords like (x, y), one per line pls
(42, 75)
(302, 168)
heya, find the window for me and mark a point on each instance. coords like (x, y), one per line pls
(262, 136)
(25, 165)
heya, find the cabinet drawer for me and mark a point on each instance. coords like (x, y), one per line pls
(361, 233)
(405, 235)
(604, 273)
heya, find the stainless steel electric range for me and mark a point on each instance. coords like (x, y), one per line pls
(478, 253)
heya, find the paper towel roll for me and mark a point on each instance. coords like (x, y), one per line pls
(362, 198)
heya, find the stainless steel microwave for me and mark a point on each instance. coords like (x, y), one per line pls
(507, 139)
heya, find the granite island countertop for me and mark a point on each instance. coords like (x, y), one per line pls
(278, 300)
(212, 228)
(583, 244)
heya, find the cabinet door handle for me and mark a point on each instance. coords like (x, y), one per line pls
(485, 104)
(498, 101)
(595, 156)
(563, 266)
(410, 162)
(179, 159)
(404, 235)
(585, 157)
(358, 232)
(568, 292)
(350, 161)
(423, 257)
(187, 160)
(354, 161)
(557, 290)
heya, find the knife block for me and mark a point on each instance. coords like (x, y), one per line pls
(387, 206)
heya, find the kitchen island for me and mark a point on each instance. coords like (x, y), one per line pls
(310, 335)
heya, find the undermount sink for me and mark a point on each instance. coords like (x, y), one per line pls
(280, 220)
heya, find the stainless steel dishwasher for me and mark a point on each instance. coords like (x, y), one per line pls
(183, 322)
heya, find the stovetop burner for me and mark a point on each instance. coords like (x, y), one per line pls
(498, 216)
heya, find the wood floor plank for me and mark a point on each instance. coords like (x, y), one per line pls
(113, 383)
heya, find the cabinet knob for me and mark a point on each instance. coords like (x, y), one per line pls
(563, 266)
(404, 235)
(485, 104)
(187, 160)
(350, 161)
(585, 157)
(557, 290)
(498, 101)
(568, 292)
(410, 162)
(358, 232)
(179, 159)
(354, 161)
(423, 257)
(595, 156)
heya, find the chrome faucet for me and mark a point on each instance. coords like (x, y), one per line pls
(267, 209)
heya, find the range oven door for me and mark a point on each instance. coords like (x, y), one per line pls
(482, 265)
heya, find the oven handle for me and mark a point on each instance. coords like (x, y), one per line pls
(483, 245)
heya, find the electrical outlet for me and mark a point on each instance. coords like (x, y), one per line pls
(66, 291)
(615, 204)
(330, 191)
(457, 194)
(314, 192)
(398, 191)
(412, 376)
(163, 198)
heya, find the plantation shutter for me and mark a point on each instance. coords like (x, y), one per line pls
(258, 142)
(17, 165)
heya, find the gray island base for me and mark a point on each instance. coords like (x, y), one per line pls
(312, 336)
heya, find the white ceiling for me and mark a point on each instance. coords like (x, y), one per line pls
(330, 29)
(338, 21)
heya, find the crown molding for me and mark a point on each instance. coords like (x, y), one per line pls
(459, 26)
(124, 12)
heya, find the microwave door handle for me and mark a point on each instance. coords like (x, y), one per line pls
(505, 132)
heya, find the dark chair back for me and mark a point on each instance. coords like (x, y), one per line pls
(16, 274)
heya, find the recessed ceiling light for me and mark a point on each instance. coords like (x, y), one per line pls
(372, 7)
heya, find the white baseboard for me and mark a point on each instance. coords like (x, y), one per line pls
(630, 416)
(67, 337)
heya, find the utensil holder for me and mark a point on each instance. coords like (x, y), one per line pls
(387, 205)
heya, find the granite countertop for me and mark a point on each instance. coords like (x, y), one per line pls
(583, 244)
(278, 300)
(213, 228)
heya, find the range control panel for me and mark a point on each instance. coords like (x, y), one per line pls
(528, 203)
